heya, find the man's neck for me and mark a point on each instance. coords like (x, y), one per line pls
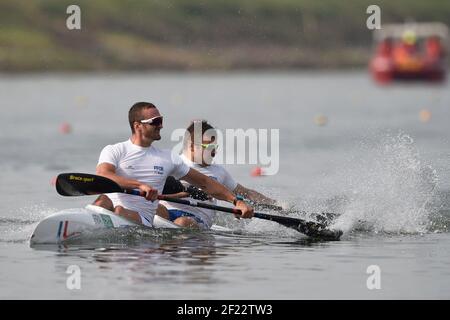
(140, 142)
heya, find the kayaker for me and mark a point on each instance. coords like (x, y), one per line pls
(137, 164)
(198, 154)
(406, 50)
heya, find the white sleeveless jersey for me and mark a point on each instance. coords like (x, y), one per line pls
(148, 165)
(213, 171)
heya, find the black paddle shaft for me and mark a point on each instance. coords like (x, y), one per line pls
(312, 229)
(80, 184)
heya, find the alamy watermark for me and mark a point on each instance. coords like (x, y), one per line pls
(234, 146)
(374, 20)
(73, 281)
(73, 22)
(374, 280)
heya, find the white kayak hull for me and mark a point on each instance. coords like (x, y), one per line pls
(72, 223)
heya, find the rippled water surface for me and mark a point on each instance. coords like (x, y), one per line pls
(375, 163)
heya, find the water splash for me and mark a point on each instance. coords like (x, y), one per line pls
(389, 190)
(17, 226)
(385, 187)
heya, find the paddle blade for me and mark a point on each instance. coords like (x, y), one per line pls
(319, 231)
(309, 228)
(83, 184)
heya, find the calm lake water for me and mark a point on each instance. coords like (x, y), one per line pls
(381, 160)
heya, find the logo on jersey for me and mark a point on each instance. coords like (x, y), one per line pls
(158, 169)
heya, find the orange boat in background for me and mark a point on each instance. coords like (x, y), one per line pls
(412, 51)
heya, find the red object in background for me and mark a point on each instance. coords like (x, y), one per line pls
(381, 65)
(65, 128)
(53, 181)
(385, 48)
(401, 60)
(404, 51)
(434, 49)
(257, 172)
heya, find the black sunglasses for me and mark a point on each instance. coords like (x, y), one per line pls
(156, 121)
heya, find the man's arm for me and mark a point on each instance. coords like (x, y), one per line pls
(175, 189)
(253, 195)
(109, 171)
(216, 190)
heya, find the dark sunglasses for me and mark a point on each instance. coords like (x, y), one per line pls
(156, 121)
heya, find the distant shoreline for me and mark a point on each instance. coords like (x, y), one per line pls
(197, 35)
(188, 60)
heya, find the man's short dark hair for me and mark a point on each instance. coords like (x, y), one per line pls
(135, 113)
(189, 135)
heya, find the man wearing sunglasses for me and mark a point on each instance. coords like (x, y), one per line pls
(199, 149)
(137, 164)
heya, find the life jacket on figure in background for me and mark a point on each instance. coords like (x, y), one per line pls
(406, 50)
